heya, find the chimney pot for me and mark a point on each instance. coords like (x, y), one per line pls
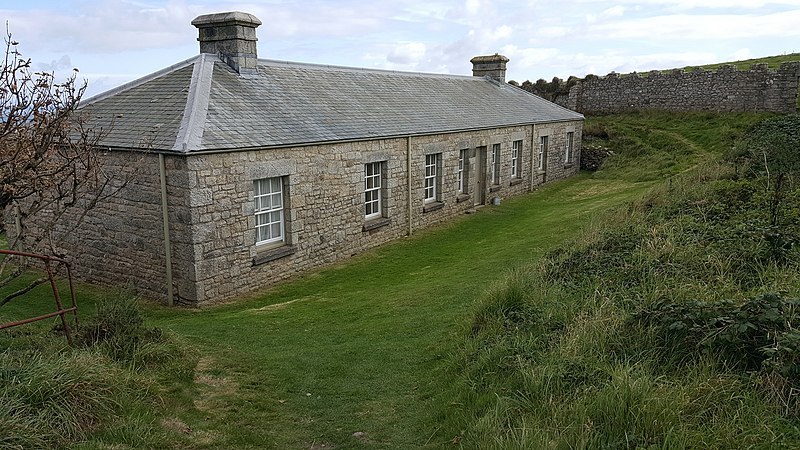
(493, 66)
(231, 36)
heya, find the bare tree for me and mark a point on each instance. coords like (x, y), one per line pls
(49, 167)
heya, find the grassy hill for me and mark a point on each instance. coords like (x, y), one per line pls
(538, 323)
(773, 62)
(668, 324)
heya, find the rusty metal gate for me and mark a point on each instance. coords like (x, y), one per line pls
(61, 311)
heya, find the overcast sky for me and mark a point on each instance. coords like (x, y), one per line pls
(116, 41)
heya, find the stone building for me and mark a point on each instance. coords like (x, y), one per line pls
(249, 171)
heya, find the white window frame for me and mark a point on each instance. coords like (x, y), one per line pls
(463, 161)
(269, 203)
(542, 150)
(431, 188)
(516, 152)
(569, 146)
(373, 190)
(496, 154)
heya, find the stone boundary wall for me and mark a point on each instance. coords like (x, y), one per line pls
(723, 90)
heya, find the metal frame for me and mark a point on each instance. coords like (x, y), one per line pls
(61, 310)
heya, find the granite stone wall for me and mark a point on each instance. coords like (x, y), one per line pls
(726, 89)
(120, 241)
(325, 200)
(211, 209)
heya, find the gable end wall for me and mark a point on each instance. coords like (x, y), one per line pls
(120, 242)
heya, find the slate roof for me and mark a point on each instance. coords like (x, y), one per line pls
(201, 104)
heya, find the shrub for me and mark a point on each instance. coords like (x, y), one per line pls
(770, 147)
(621, 338)
(757, 334)
(118, 330)
(505, 305)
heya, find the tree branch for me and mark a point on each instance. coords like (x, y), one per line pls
(22, 291)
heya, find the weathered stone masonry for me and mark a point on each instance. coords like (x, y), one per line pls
(325, 204)
(212, 225)
(726, 89)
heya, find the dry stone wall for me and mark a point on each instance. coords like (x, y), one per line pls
(726, 89)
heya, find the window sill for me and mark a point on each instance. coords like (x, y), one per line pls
(432, 206)
(462, 198)
(374, 224)
(541, 172)
(495, 188)
(515, 181)
(271, 254)
(568, 165)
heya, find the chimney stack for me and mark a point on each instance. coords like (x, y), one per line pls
(493, 65)
(231, 36)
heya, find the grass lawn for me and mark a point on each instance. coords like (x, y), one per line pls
(354, 348)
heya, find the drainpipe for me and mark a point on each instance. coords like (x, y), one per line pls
(533, 152)
(162, 169)
(408, 173)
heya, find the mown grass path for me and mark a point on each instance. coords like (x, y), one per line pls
(355, 348)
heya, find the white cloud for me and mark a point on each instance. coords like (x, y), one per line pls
(624, 63)
(108, 27)
(552, 32)
(545, 63)
(528, 60)
(472, 6)
(407, 54)
(687, 5)
(614, 11)
(61, 64)
(116, 38)
(712, 27)
(500, 33)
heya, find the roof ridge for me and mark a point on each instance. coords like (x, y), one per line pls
(304, 65)
(190, 132)
(139, 81)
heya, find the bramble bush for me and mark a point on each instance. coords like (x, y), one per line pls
(759, 333)
(758, 337)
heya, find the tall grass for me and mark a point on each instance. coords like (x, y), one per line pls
(50, 400)
(553, 355)
(52, 396)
